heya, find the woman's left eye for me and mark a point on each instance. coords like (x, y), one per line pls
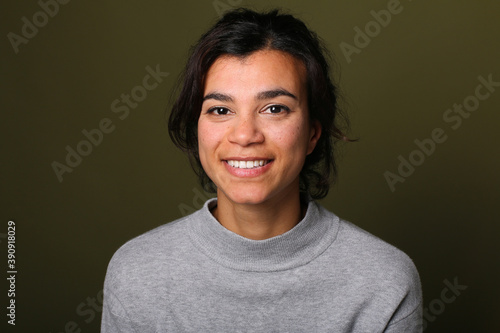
(276, 109)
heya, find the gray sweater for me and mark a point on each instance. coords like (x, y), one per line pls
(324, 275)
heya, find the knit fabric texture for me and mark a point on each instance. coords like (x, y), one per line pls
(324, 275)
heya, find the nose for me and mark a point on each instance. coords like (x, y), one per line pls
(246, 131)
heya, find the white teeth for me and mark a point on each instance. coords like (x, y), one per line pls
(247, 164)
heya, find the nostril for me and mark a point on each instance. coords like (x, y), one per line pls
(246, 133)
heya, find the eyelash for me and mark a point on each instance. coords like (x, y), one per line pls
(283, 108)
(219, 108)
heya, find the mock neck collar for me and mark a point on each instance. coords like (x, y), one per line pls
(296, 247)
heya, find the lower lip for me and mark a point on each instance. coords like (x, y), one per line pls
(254, 172)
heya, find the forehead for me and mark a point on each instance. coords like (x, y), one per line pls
(260, 70)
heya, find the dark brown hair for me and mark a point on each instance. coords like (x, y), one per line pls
(240, 33)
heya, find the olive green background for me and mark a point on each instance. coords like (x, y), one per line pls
(396, 89)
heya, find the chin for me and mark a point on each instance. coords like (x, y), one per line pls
(245, 196)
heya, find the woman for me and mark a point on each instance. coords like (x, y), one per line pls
(257, 114)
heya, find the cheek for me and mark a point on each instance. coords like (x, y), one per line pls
(293, 139)
(203, 142)
(207, 142)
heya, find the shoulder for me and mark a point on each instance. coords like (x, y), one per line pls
(146, 253)
(373, 257)
(138, 269)
(150, 242)
(378, 268)
(371, 250)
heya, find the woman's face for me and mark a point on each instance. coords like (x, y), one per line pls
(254, 130)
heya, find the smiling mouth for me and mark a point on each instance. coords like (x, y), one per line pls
(247, 164)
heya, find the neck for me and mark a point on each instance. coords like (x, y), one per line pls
(259, 221)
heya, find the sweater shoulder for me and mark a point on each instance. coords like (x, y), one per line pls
(370, 260)
(370, 250)
(154, 240)
(143, 254)
(381, 267)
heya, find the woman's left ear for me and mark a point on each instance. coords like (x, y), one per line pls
(314, 136)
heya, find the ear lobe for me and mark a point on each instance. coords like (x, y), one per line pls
(314, 136)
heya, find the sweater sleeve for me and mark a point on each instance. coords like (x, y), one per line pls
(114, 315)
(115, 309)
(410, 324)
(408, 315)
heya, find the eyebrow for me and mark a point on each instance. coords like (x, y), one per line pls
(268, 94)
(275, 93)
(218, 97)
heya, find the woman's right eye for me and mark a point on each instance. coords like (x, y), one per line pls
(218, 110)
